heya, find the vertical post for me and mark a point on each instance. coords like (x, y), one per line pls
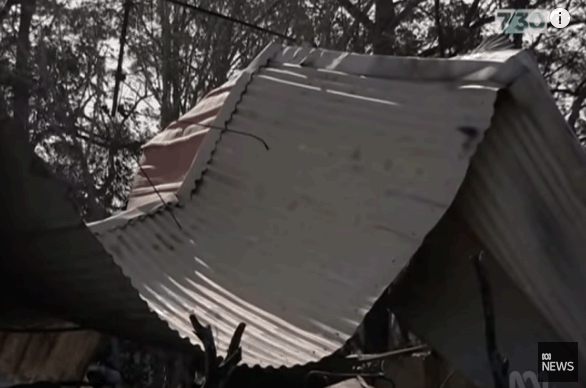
(127, 5)
(499, 365)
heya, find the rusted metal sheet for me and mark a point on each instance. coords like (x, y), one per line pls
(163, 175)
(47, 356)
(364, 156)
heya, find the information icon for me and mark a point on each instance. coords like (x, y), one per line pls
(559, 18)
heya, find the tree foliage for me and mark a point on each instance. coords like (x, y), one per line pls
(58, 69)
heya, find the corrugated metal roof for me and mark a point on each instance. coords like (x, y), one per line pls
(365, 155)
(525, 199)
(522, 202)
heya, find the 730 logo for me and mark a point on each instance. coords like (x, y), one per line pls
(519, 21)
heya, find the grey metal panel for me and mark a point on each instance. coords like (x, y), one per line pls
(298, 241)
(524, 198)
(500, 67)
(523, 202)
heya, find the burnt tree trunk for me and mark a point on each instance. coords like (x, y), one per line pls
(384, 13)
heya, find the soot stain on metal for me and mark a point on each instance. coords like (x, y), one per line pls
(471, 134)
(175, 238)
(166, 243)
(122, 241)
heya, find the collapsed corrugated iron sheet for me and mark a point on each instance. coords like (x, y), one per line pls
(365, 155)
(524, 198)
(522, 201)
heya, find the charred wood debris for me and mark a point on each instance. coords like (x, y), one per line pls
(213, 371)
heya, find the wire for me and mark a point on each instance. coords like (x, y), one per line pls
(264, 143)
(390, 354)
(155, 189)
(233, 20)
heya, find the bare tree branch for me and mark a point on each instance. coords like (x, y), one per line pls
(577, 104)
(358, 14)
(470, 14)
(345, 39)
(411, 5)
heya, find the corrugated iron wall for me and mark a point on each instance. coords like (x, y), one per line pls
(524, 198)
